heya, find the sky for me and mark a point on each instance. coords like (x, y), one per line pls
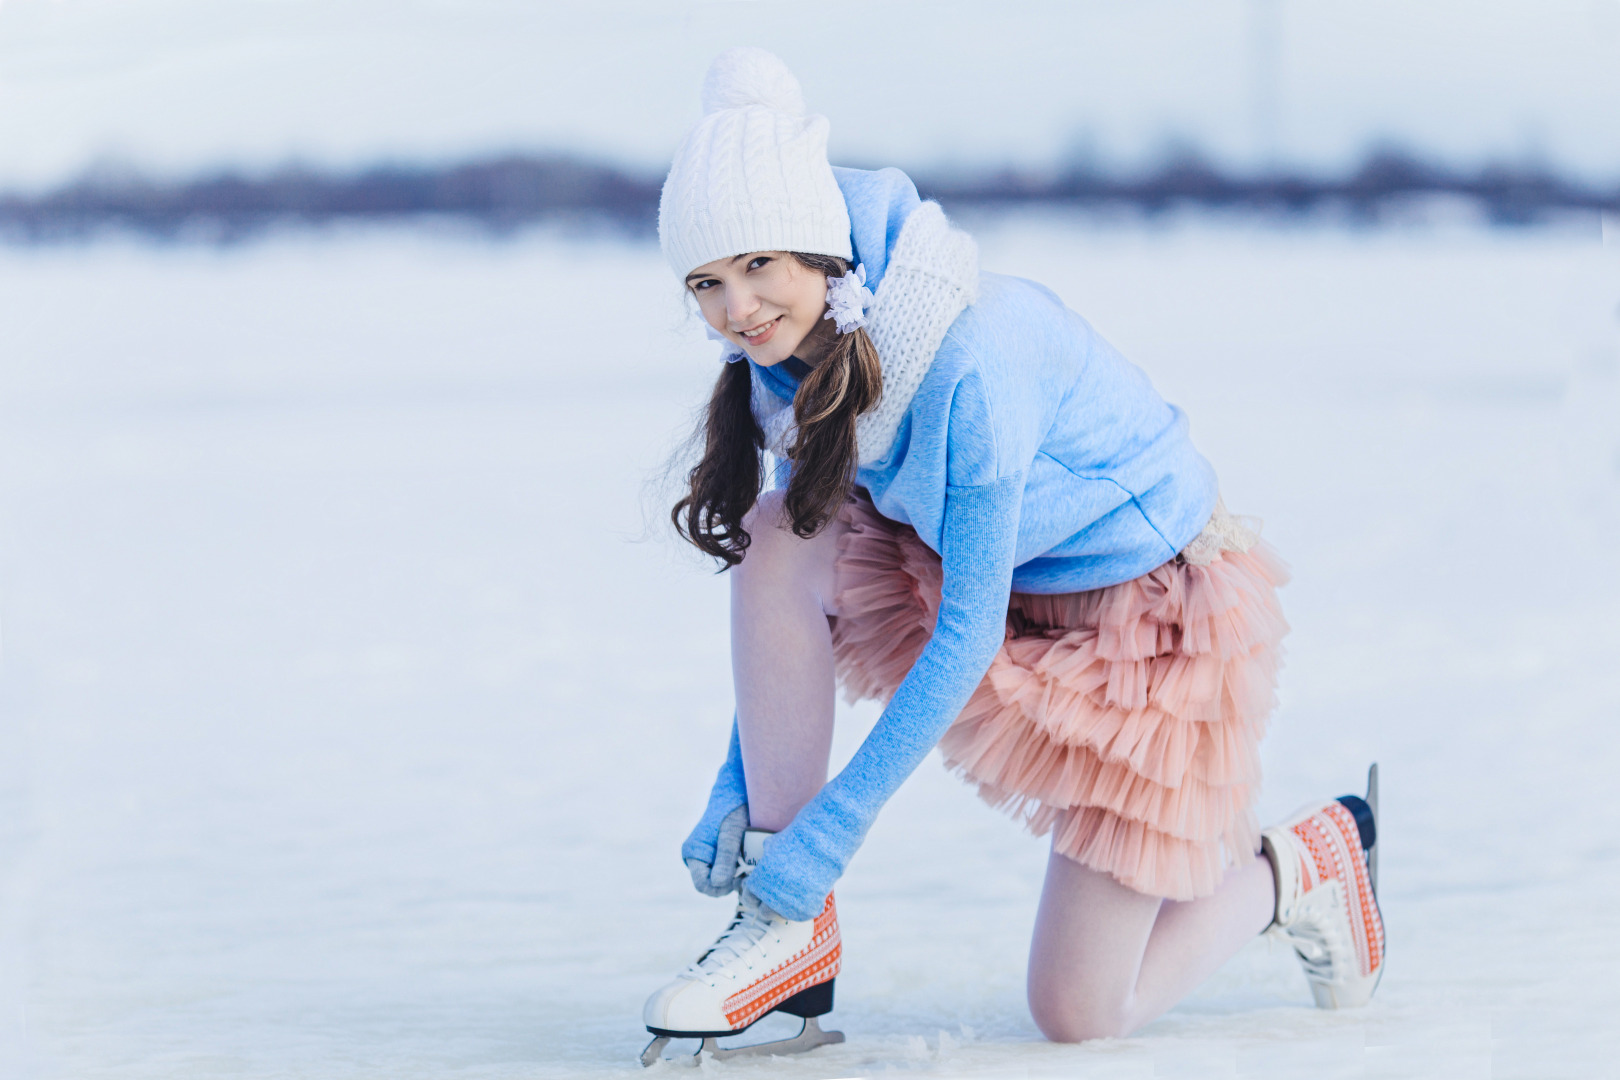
(179, 86)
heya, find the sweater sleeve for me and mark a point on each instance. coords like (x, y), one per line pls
(729, 792)
(978, 541)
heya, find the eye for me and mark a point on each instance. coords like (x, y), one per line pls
(758, 261)
(706, 283)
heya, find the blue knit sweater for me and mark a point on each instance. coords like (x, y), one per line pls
(1032, 457)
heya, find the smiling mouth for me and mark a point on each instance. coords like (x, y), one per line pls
(761, 332)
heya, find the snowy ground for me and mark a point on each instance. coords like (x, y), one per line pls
(351, 720)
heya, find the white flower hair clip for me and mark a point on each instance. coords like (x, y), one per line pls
(848, 299)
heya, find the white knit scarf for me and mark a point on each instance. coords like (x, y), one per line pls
(933, 273)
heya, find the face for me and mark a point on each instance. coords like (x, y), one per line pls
(767, 302)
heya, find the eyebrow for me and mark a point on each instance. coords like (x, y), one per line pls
(700, 274)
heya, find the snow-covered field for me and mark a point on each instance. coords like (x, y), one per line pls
(354, 703)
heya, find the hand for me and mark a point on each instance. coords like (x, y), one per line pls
(720, 877)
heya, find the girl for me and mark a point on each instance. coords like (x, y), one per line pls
(987, 518)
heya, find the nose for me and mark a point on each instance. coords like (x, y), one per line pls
(742, 304)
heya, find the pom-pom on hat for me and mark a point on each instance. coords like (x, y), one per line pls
(752, 175)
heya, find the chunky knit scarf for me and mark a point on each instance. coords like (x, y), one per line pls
(932, 275)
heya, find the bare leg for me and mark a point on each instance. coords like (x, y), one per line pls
(781, 662)
(1106, 960)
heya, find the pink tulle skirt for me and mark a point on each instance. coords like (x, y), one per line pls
(1126, 720)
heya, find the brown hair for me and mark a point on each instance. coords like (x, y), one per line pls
(724, 485)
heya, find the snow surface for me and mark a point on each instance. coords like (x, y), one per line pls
(354, 702)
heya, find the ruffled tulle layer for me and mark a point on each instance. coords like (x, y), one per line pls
(1126, 721)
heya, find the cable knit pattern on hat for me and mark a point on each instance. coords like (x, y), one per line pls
(752, 175)
(932, 276)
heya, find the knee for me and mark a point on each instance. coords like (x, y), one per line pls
(1069, 1017)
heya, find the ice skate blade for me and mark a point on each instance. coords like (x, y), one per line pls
(654, 1051)
(808, 1038)
(1372, 803)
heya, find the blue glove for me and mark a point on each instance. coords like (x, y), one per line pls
(714, 846)
(719, 878)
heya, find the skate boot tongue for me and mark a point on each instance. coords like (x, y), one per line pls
(753, 848)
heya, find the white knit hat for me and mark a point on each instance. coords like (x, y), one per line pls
(752, 175)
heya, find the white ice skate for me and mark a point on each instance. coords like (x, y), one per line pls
(762, 964)
(1326, 861)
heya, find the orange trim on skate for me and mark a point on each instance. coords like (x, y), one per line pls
(816, 963)
(1334, 843)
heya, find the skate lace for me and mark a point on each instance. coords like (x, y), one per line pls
(1322, 949)
(748, 928)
